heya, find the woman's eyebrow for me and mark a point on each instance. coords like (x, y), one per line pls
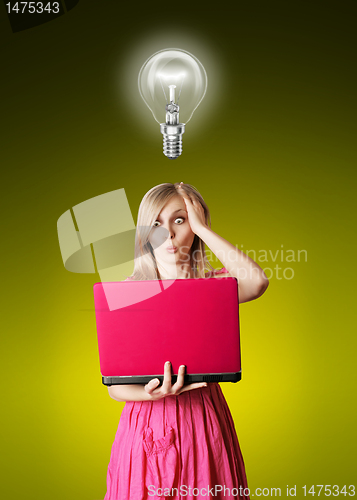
(179, 210)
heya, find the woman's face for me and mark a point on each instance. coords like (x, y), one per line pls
(177, 233)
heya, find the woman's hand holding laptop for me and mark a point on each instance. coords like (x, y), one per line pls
(150, 392)
(167, 389)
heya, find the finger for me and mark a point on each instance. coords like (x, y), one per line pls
(187, 198)
(150, 386)
(183, 193)
(180, 378)
(166, 386)
(197, 385)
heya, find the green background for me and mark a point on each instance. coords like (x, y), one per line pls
(271, 148)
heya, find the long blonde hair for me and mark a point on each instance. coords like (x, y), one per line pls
(145, 267)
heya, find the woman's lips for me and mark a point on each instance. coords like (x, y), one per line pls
(171, 249)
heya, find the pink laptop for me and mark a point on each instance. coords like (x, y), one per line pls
(192, 322)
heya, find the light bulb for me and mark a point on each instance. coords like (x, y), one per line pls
(172, 82)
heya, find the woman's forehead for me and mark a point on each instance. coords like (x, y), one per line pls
(175, 204)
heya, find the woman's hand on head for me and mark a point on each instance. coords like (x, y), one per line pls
(167, 389)
(195, 211)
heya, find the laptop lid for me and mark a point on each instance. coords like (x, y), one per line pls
(192, 322)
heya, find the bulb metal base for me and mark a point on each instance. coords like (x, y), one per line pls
(172, 139)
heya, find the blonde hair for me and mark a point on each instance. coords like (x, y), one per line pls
(145, 267)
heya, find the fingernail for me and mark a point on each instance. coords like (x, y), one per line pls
(168, 363)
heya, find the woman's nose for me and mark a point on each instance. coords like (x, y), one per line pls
(170, 231)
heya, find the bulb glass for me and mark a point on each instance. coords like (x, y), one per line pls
(172, 75)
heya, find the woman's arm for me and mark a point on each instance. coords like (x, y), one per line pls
(252, 281)
(149, 392)
(128, 393)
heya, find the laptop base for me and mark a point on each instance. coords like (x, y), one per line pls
(188, 379)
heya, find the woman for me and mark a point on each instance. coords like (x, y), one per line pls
(179, 441)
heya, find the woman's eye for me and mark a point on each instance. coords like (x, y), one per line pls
(156, 223)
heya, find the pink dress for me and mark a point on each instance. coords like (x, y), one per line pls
(181, 447)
